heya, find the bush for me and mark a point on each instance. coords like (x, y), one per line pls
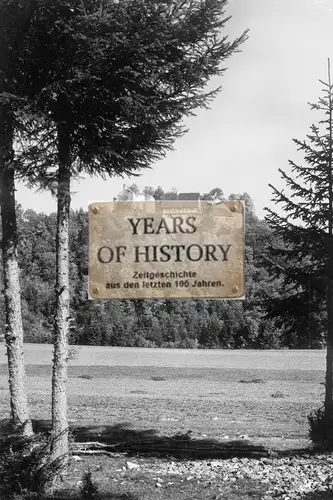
(89, 489)
(321, 429)
(26, 466)
(278, 394)
(252, 381)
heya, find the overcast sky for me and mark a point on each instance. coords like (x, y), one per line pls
(244, 138)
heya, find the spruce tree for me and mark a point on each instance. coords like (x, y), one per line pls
(113, 81)
(15, 16)
(304, 228)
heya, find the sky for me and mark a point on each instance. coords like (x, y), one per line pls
(241, 142)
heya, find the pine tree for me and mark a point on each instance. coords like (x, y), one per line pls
(304, 228)
(15, 17)
(113, 82)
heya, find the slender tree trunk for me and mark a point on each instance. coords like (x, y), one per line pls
(59, 378)
(329, 356)
(14, 330)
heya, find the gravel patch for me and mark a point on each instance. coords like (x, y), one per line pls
(285, 478)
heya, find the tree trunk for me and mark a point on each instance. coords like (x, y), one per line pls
(329, 355)
(14, 330)
(59, 377)
(329, 304)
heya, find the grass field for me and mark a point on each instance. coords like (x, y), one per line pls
(178, 358)
(264, 394)
(119, 394)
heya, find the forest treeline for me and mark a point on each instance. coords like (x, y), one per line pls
(256, 322)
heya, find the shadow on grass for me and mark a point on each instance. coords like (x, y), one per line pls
(101, 496)
(122, 438)
(64, 495)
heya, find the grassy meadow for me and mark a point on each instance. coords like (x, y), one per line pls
(265, 395)
(156, 397)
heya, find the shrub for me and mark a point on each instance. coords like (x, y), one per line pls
(278, 394)
(89, 489)
(26, 466)
(252, 381)
(321, 429)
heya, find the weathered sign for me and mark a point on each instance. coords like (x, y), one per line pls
(166, 250)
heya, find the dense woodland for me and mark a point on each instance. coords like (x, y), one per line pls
(257, 322)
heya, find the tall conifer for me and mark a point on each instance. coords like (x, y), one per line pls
(304, 226)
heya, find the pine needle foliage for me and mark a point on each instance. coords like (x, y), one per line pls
(26, 465)
(119, 76)
(303, 225)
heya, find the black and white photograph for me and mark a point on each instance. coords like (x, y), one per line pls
(166, 257)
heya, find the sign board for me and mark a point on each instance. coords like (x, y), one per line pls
(166, 250)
